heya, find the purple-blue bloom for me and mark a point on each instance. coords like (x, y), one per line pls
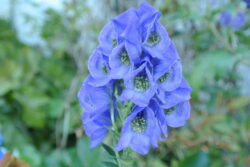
(236, 22)
(140, 86)
(225, 18)
(135, 63)
(140, 130)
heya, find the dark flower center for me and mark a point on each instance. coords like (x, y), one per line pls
(114, 42)
(104, 69)
(124, 57)
(164, 77)
(141, 83)
(153, 38)
(169, 110)
(139, 123)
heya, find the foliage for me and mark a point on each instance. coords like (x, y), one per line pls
(40, 118)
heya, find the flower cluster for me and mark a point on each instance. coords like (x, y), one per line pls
(135, 71)
(226, 20)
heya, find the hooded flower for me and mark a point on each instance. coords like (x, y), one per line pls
(127, 52)
(247, 3)
(140, 86)
(172, 98)
(99, 69)
(94, 98)
(96, 125)
(96, 102)
(140, 131)
(168, 75)
(108, 39)
(177, 115)
(121, 60)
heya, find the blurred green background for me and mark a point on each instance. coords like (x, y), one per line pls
(44, 46)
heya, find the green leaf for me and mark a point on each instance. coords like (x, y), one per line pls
(199, 159)
(109, 164)
(109, 149)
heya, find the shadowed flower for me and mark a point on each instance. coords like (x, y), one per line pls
(96, 125)
(108, 38)
(236, 22)
(140, 87)
(140, 131)
(168, 75)
(94, 98)
(172, 98)
(136, 64)
(121, 60)
(177, 115)
(225, 18)
(99, 69)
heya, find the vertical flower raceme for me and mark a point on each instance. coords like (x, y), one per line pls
(135, 83)
(1, 152)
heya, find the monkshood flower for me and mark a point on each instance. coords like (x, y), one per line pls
(236, 22)
(140, 130)
(140, 86)
(135, 83)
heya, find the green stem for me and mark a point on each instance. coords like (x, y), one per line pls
(114, 129)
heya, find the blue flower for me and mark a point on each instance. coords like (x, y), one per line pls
(94, 98)
(172, 98)
(140, 131)
(121, 60)
(126, 25)
(99, 69)
(108, 38)
(96, 101)
(238, 21)
(1, 152)
(225, 18)
(140, 86)
(168, 75)
(177, 115)
(96, 125)
(136, 62)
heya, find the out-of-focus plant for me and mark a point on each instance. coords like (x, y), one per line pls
(40, 115)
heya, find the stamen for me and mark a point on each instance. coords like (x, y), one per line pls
(114, 43)
(141, 83)
(125, 58)
(169, 110)
(164, 77)
(139, 124)
(154, 38)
